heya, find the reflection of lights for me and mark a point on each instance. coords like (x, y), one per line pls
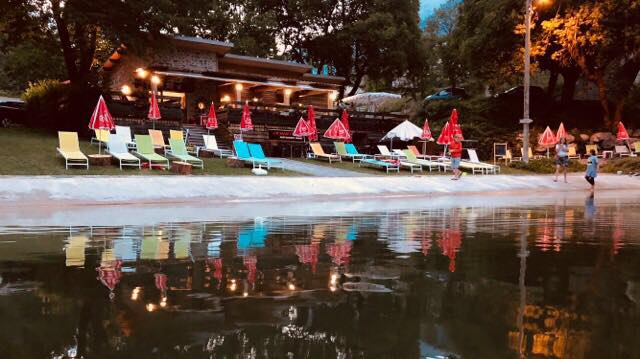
(333, 288)
(334, 279)
(287, 92)
(255, 99)
(233, 285)
(333, 95)
(291, 286)
(239, 87)
(135, 293)
(245, 294)
(150, 307)
(163, 302)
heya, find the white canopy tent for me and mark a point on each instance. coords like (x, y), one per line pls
(406, 131)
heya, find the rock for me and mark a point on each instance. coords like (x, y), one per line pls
(584, 137)
(608, 144)
(570, 138)
(602, 136)
(636, 133)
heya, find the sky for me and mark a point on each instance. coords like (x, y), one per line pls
(426, 9)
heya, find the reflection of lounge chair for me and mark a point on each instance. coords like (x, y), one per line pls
(253, 237)
(125, 133)
(118, 149)
(69, 149)
(411, 157)
(211, 145)
(101, 136)
(144, 150)
(474, 160)
(341, 149)
(318, 152)
(386, 165)
(622, 151)
(256, 152)
(179, 151)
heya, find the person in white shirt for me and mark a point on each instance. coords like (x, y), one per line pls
(562, 159)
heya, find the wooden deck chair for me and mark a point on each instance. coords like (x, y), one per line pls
(69, 149)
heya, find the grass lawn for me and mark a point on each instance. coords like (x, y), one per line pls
(31, 152)
(349, 166)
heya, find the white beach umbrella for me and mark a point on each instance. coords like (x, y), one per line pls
(405, 131)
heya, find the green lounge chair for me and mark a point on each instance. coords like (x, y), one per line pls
(341, 149)
(412, 158)
(145, 150)
(256, 152)
(179, 151)
(387, 166)
(118, 149)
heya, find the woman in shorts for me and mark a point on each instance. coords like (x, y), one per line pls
(562, 159)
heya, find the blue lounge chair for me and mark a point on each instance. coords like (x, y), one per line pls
(242, 153)
(256, 152)
(387, 166)
(353, 151)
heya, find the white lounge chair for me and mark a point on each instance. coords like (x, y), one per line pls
(125, 134)
(473, 159)
(118, 149)
(211, 145)
(385, 153)
(622, 151)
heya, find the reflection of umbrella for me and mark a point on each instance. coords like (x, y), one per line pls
(345, 122)
(311, 120)
(618, 236)
(426, 246)
(251, 263)
(544, 238)
(110, 276)
(450, 243)
(154, 110)
(547, 139)
(101, 120)
(308, 254)
(406, 131)
(562, 133)
(212, 119)
(337, 131)
(340, 253)
(161, 282)
(217, 272)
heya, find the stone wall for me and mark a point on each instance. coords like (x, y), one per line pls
(124, 71)
(189, 61)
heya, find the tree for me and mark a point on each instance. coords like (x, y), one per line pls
(601, 38)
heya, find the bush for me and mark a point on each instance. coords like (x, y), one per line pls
(626, 165)
(547, 165)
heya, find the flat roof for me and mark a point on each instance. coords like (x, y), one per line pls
(265, 63)
(221, 47)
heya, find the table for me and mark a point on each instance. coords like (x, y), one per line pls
(182, 168)
(607, 154)
(99, 160)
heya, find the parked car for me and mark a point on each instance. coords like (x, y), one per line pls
(536, 94)
(450, 93)
(11, 112)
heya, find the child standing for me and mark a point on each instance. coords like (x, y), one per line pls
(592, 169)
(455, 149)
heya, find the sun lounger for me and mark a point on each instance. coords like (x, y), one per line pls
(101, 136)
(588, 149)
(386, 165)
(69, 149)
(411, 158)
(179, 151)
(211, 145)
(352, 150)
(416, 152)
(573, 154)
(473, 159)
(125, 133)
(176, 135)
(256, 152)
(157, 139)
(622, 151)
(385, 153)
(341, 149)
(636, 145)
(118, 149)
(145, 150)
(242, 153)
(318, 152)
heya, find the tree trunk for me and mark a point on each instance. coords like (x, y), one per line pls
(617, 116)
(570, 79)
(551, 86)
(65, 41)
(602, 96)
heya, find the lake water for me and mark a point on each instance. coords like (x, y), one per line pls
(533, 277)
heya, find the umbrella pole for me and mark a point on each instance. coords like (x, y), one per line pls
(99, 147)
(391, 144)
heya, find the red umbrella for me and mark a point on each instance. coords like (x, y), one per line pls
(245, 121)
(101, 119)
(311, 120)
(426, 131)
(453, 123)
(345, 122)
(547, 139)
(622, 132)
(154, 110)
(337, 131)
(302, 128)
(308, 254)
(446, 136)
(562, 133)
(212, 119)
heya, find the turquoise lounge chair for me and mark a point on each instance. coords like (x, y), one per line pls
(242, 153)
(256, 152)
(179, 151)
(353, 151)
(387, 166)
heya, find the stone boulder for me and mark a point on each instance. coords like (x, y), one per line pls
(602, 136)
(584, 137)
(570, 138)
(636, 133)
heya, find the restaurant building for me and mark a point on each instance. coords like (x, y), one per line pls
(190, 73)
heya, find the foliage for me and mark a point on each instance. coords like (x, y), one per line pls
(626, 165)
(29, 62)
(547, 165)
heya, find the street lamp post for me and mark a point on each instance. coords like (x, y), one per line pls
(527, 80)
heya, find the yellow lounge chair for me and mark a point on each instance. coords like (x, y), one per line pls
(69, 149)
(573, 154)
(318, 152)
(157, 139)
(101, 136)
(636, 145)
(588, 149)
(176, 135)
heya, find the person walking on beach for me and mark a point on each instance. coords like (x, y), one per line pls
(562, 159)
(455, 150)
(592, 169)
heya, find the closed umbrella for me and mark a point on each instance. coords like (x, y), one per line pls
(406, 131)
(101, 120)
(446, 135)
(311, 120)
(547, 139)
(426, 135)
(154, 110)
(453, 123)
(345, 122)
(212, 119)
(337, 131)
(562, 133)
(245, 121)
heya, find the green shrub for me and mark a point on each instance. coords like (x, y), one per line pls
(547, 165)
(626, 165)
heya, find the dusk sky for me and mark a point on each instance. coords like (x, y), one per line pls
(427, 7)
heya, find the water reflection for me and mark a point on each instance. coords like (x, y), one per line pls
(471, 282)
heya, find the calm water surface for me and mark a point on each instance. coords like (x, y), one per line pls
(535, 281)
